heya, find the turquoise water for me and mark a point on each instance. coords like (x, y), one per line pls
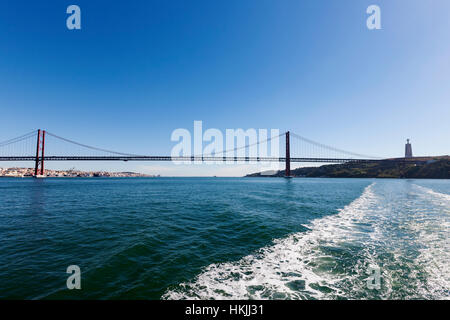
(243, 238)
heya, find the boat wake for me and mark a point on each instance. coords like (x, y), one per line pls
(334, 258)
(300, 266)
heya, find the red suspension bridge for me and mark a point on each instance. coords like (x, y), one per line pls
(37, 147)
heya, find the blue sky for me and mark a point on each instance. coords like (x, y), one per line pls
(137, 70)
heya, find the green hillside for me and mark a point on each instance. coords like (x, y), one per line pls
(432, 168)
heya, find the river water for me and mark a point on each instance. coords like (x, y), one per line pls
(225, 238)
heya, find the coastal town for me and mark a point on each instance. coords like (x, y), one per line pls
(72, 173)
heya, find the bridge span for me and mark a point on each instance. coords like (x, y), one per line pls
(187, 159)
(319, 153)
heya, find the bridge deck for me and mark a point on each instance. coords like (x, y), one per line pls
(187, 159)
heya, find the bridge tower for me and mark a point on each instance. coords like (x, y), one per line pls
(287, 172)
(40, 148)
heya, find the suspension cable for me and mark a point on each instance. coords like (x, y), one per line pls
(331, 148)
(136, 155)
(33, 133)
(243, 147)
(18, 139)
(92, 148)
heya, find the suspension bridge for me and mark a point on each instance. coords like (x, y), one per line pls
(41, 146)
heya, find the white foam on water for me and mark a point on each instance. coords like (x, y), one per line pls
(291, 268)
(402, 231)
(441, 196)
(433, 227)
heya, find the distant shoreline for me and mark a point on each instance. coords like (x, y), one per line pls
(209, 177)
(16, 172)
(76, 177)
(433, 168)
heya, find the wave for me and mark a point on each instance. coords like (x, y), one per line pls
(401, 230)
(439, 195)
(301, 266)
(433, 228)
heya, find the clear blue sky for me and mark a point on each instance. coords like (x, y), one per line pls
(137, 70)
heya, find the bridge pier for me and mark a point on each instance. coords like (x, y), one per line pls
(287, 172)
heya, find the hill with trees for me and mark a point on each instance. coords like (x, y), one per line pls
(420, 168)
